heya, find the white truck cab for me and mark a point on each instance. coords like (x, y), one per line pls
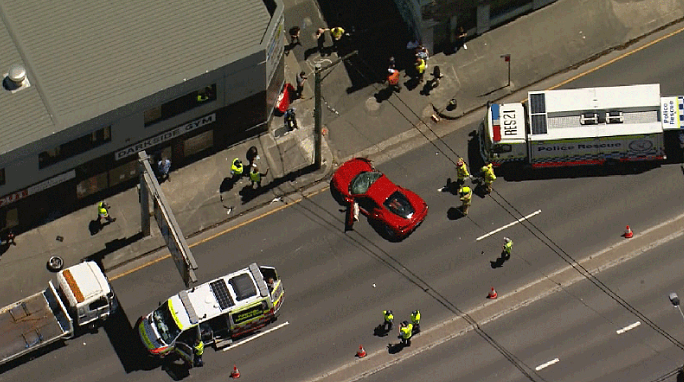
(505, 138)
(87, 293)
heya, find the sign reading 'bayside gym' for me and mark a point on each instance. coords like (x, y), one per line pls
(165, 136)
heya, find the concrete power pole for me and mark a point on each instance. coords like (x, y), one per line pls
(318, 116)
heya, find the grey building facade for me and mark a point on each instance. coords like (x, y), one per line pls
(435, 22)
(86, 85)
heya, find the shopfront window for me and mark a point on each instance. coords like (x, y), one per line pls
(180, 105)
(75, 147)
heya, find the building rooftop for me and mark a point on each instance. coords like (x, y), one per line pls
(86, 58)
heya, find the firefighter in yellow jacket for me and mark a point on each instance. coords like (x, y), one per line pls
(489, 177)
(461, 172)
(406, 331)
(466, 195)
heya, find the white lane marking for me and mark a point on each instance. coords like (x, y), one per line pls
(451, 335)
(256, 336)
(547, 364)
(508, 225)
(628, 327)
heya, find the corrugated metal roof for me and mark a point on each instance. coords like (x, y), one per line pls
(85, 58)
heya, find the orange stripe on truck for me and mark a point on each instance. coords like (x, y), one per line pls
(73, 286)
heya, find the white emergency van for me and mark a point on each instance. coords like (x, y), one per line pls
(223, 310)
(587, 126)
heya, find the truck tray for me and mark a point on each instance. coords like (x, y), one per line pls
(28, 324)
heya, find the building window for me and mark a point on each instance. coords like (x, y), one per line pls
(2, 176)
(180, 105)
(75, 147)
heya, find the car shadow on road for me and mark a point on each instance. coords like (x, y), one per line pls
(127, 344)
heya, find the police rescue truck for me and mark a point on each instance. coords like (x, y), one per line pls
(586, 126)
(82, 297)
(220, 310)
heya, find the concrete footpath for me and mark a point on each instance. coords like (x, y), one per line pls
(541, 44)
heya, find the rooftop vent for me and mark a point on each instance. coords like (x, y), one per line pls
(614, 117)
(15, 79)
(589, 119)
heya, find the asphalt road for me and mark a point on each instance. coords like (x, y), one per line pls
(331, 306)
(575, 335)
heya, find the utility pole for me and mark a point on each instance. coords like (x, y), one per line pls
(318, 112)
(318, 116)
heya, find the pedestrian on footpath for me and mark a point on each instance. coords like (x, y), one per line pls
(489, 177)
(393, 80)
(461, 35)
(392, 63)
(461, 172)
(294, 36)
(336, 33)
(406, 331)
(103, 213)
(252, 156)
(415, 320)
(420, 65)
(466, 195)
(507, 247)
(301, 78)
(422, 53)
(236, 169)
(255, 176)
(9, 239)
(163, 168)
(320, 39)
(388, 320)
(290, 119)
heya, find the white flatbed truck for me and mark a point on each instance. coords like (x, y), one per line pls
(81, 297)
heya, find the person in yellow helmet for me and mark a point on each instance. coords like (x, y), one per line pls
(388, 320)
(255, 176)
(461, 172)
(421, 65)
(489, 177)
(415, 320)
(103, 213)
(406, 331)
(507, 248)
(237, 168)
(466, 195)
(336, 33)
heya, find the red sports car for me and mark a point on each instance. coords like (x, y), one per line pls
(398, 210)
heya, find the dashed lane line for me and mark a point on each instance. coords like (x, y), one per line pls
(628, 327)
(546, 364)
(257, 336)
(508, 225)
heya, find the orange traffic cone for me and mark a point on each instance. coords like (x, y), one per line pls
(361, 352)
(235, 373)
(628, 233)
(492, 294)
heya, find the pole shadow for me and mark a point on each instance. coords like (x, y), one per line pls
(248, 193)
(111, 247)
